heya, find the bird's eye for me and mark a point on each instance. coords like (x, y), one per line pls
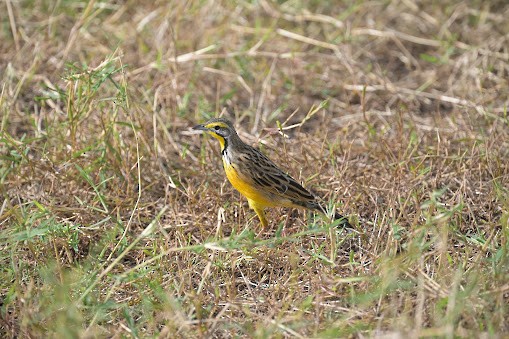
(216, 128)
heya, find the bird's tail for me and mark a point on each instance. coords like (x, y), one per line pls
(343, 221)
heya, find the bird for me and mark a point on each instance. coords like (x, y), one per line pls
(257, 177)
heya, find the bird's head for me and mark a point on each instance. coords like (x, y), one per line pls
(219, 128)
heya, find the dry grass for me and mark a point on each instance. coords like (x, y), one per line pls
(116, 221)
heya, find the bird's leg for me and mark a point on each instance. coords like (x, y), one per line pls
(260, 212)
(261, 215)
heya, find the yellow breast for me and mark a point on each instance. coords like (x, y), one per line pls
(262, 199)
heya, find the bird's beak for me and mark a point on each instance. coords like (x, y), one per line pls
(200, 128)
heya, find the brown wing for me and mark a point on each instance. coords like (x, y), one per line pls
(268, 177)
